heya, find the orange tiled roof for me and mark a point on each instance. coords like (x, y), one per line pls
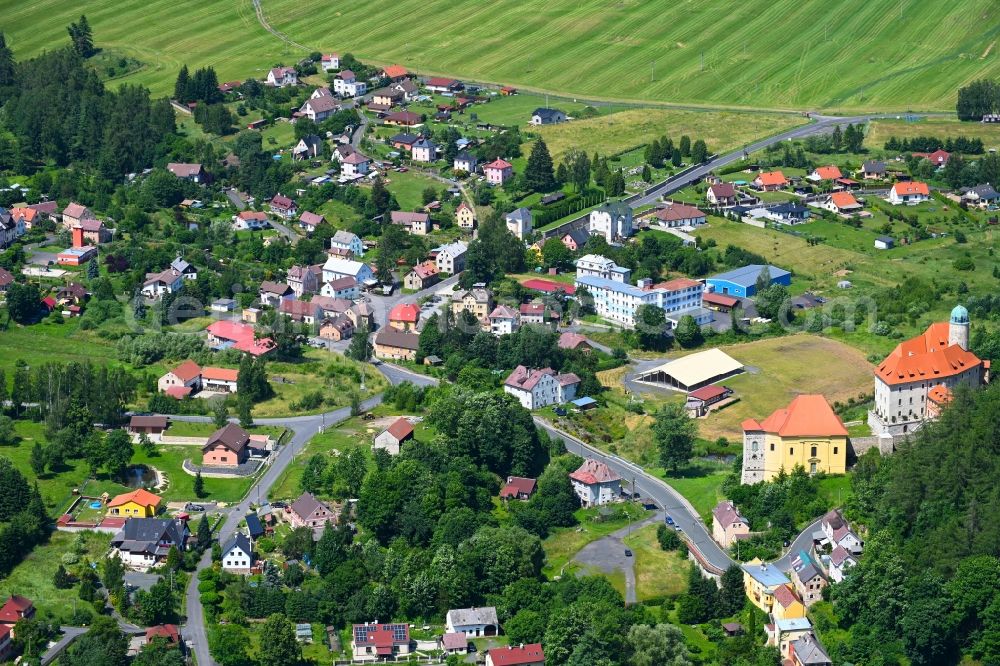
(772, 178)
(828, 172)
(220, 374)
(843, 200)
(142, 497)
(940, 394)
(395, 71)
(807, 415)
(911, 188)
(186, 371)
(927, 356)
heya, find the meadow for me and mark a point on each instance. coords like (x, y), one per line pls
(879, 54)
(622, 130)
(879, 131)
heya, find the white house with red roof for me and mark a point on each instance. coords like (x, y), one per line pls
(836, 532)
(283, 206)
(721, 194)
(595, 483)
(537, 388)
(910, 193)
(380, 641)
(498, 172)
(830, 172)
(769, 181)
(392, 438)
(905, 379)
(516, 655)
(354, 165)
(330, 62)
(250, 220)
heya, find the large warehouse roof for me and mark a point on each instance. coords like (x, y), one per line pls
(696, 370)
(747, 275)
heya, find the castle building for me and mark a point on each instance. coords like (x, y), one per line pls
(806, 433)
(915, 379)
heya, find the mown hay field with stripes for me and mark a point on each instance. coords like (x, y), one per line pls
(790, 54)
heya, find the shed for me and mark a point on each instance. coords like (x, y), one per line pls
(884, 243)
(584, 403)
(694, 371)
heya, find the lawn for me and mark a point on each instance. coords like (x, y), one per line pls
(625, 129)
(879, 131)
(565, 542)
(48, 342)
(774, 56)
(700, 483)
(409, 188)
(657, 573)
(193, 429)
(32, 578)
(180, 485)
(56, 487)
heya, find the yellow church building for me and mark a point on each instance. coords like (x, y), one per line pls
(806, 433)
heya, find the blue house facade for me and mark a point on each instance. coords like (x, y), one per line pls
(742, 282)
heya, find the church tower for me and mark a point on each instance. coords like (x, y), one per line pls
(753, 452)
(958, 327)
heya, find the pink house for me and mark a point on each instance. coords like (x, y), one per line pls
(498, 172)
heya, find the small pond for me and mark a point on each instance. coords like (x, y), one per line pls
(140, 476)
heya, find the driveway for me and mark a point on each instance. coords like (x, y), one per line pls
(607, 555)
(69, 634)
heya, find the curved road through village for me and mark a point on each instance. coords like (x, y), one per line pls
(673, 503)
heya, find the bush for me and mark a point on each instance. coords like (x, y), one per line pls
(668, 539)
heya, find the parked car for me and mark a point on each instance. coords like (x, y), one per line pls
(193, 507)
(628, 553)
(669, 520)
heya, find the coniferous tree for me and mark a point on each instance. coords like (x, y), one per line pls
(181, 85)
(7, 71)
(199, 485)
(81, 37)
(538, 174)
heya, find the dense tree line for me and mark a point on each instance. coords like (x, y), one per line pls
(59, 110)
(201, 87)
(23, 519)
(979, 98)
(928, 585)
(928, 144)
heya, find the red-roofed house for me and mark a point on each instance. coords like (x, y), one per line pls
(309, 220)
(532, 313)
(595, 483)
(422, 276)
(570, 340)
(518, 487)
(330, 62)
(168, 632)
(402, 119)
(187, 374)
(806, 433)
(404, 317)
(769, 181)
(193, 172)
(16, 608)
(392, 438)
(380, 641)
(536, 388)
(678, 215)
(516, 655)
(843, 203)
(825, 173)
(224, 334)
(909, 193)
(498, 171)
(283, 206)
(699, 400)
(441, 84)
(938, 158)
(395, 72)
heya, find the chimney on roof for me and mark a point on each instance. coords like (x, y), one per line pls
(644, 283)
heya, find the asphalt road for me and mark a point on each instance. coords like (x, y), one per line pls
(608, 555)
(822, 125)
(69, 634)
(665, 497)
(304, 428)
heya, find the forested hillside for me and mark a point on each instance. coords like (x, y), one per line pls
(930, 576)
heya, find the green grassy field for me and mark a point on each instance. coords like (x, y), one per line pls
(880, 130)
(625, 129)
(180, 486)
(657, 573)
(32, 578)
(877, 54)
